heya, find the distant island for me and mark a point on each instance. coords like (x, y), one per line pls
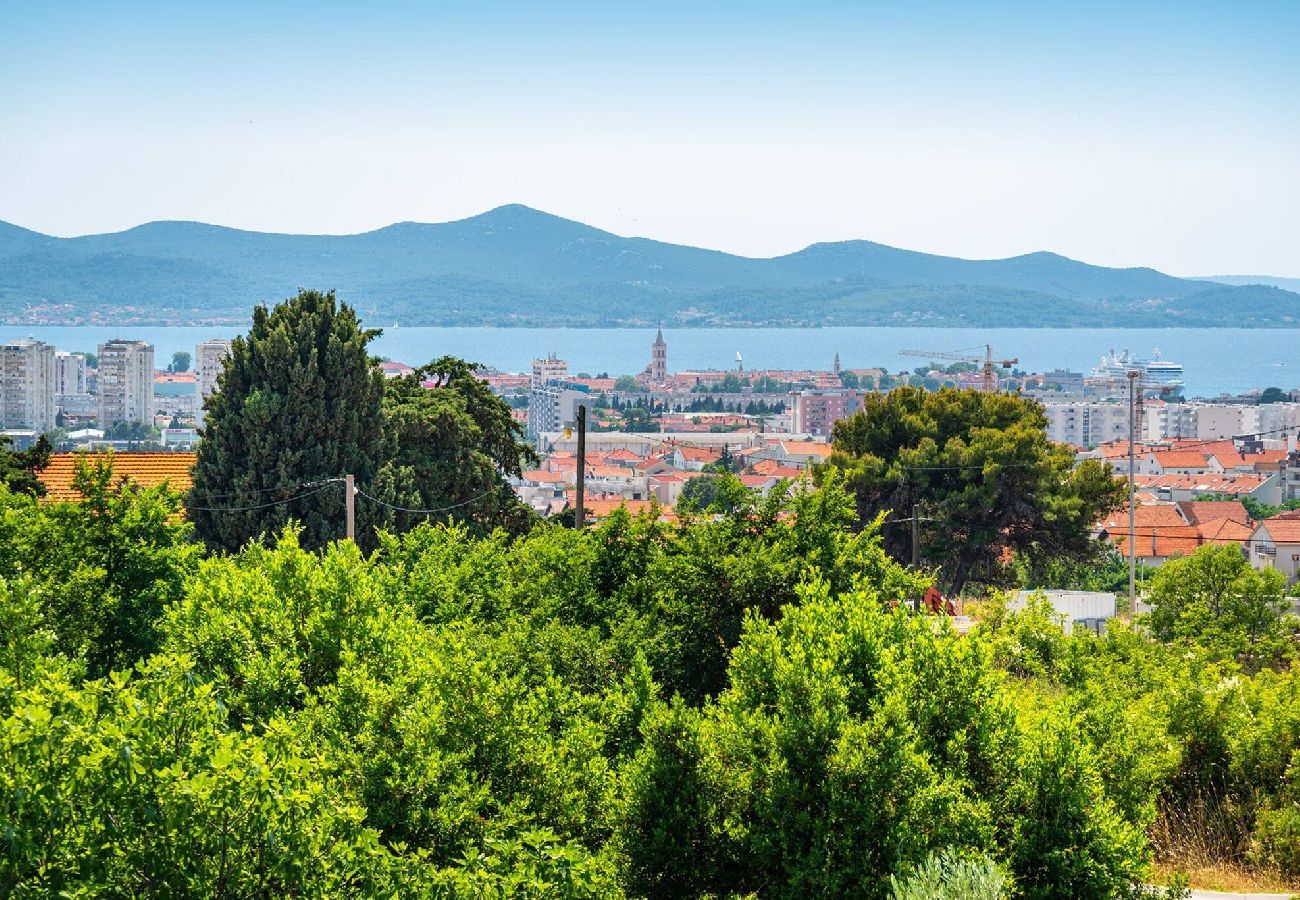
(516, 266)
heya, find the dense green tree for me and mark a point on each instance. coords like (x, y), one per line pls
(1216, 599)
(850, 744)
(984, 476)
(849, 379)
(629, 385)
(129, 431)
(103, 568)
(454, 442)
(1273, 395)
(181, 360)
(18, 468)
(300, 403)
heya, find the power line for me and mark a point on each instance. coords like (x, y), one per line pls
(268, 490)
(324, 487)
(426, 512)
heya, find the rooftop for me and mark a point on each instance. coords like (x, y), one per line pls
(140, 469)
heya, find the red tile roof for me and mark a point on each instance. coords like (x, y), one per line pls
(1280, 531)
(138, 468)
(1205, 483)
(1161, 542)
(1160, 515)
(1180, 459)
(1198, 511)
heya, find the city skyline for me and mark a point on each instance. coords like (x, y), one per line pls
(1160, 135)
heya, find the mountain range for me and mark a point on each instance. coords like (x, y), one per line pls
(517, 266)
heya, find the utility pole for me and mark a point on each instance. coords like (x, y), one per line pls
(350, 506)
(916, 536)
(1132, 503)
(579, 514)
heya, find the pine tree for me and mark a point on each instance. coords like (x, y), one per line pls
(299, 402)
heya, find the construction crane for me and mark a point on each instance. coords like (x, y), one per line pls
(990, 375)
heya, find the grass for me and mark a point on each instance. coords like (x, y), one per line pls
(1204, 838)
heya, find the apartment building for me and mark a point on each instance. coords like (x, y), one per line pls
(553, 406)
(1213, 421)
(27, 385)
(1087, 423)
(125, 382)
(550, 369)
(209, 360)
(70, 373)
(816, 412)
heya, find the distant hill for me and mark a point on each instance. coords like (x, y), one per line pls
(518, 266)
(1289, 284)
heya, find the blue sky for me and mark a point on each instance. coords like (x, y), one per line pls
(1164, 134)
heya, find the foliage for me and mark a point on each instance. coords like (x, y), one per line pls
(850, 743)
(1218, 600)
(454, 442)
(1108, 572)
(629, 385)
(948, 876)
(299, 402)
(1273, 395)
(137, 432)
(137, 785)
(103, 568)
(181, 360)
(984, 476)
(738, 703)
(18, 468)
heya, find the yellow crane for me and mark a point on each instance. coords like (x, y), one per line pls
(990, 375)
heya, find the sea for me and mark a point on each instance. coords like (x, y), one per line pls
(1216, 361)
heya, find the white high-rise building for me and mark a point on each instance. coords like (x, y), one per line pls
(209, 361)
(125, 382)
(27, 385)
(69, 373)
(550, 369)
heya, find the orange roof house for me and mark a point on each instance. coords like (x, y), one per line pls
(143, 469)
(1198, 511)
(1158, 515)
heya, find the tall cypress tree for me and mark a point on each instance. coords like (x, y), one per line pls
(300, 401)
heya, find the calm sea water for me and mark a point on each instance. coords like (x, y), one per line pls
(1216, 360)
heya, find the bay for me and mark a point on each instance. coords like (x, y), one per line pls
(1217, 361)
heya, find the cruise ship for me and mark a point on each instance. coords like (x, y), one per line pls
(1159, 376)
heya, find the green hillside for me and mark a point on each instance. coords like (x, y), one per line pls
(518, 266)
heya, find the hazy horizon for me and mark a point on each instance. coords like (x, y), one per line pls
(1162, 135)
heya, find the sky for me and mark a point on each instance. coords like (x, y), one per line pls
(1123, 134)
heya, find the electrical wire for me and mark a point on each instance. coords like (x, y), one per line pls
(424, 512)
(324, 487)
(284, 487)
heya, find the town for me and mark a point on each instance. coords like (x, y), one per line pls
(1221, 471)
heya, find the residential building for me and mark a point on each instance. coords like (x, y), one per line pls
(70, 373)
(209, 362)
(27, 385)
(816, 412)
(1087, 423)
(1275, 544)
(125, 382)
(550, 369)
(553, 405)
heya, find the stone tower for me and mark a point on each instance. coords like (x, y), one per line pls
(659, 359)
(837, 362)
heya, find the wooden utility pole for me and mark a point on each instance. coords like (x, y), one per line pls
(579, 513)
(350, 506)
(916, 536)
